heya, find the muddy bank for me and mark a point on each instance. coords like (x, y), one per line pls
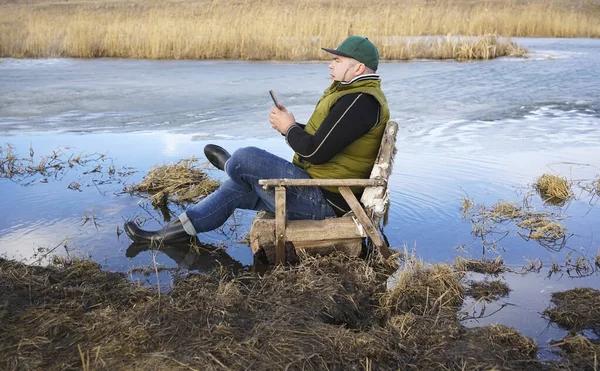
(329, 313)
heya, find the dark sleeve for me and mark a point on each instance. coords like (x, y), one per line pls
(352, 116)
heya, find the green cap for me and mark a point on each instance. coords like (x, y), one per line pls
(359, 48)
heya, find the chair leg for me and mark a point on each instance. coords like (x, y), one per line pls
(362, 217)
(280, 225)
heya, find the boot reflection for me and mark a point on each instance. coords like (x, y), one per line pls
(192, 256)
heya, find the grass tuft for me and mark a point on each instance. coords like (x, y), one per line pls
(554, 189)
(184, 181)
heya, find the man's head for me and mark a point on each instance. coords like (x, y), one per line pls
(355, 56)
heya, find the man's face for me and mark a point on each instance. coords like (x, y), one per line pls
(342, 68)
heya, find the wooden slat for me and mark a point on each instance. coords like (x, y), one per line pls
(365, 221)
(348, 247)
(376, 199)
(305, 230)
(266, 183)
(280, 225)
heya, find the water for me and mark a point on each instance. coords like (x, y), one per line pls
(483, 130)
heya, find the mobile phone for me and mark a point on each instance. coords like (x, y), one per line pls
(274, 98)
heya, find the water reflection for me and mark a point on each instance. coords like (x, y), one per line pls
(195, 256)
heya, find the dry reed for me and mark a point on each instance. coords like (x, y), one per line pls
(183, 181)
(252, 30)
(554, 189)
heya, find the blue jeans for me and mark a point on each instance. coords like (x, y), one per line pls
(242, 191)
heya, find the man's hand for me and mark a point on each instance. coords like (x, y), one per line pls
(281, 119)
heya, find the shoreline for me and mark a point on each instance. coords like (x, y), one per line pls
(332, 311)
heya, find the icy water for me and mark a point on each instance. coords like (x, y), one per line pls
(483, 130)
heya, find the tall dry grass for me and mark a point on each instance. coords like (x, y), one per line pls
(252, 29)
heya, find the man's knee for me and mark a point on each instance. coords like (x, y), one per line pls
(242, 161)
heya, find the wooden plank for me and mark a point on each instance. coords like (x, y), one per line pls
(306, 230)
(365, 221)
(280, 224)
(376, 199)
(348, 247)
(266, 183)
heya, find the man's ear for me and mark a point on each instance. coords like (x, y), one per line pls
(360, 69)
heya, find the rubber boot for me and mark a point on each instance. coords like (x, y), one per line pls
(171, 233)
(217, 156)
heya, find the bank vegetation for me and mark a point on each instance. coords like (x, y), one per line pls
(283, 30)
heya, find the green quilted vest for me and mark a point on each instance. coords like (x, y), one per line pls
(356, 160)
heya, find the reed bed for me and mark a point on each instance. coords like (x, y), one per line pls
(270, 30)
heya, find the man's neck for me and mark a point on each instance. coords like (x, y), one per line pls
(366, 76)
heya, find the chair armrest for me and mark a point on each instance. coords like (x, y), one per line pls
(266, 183)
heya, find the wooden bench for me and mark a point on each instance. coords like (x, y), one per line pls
(271, 235)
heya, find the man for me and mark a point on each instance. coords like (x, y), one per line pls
(341, 140)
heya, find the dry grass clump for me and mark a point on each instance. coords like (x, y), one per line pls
(544, 230)
(487, 290)
(424, 290)
(576, 309)
(553, 189)
(183, 181)
(508, 342)
(485, 266)
(578, 353)
(321, 314)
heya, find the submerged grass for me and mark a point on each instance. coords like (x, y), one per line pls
(487, 290)
(330, 313)
(184, 181)
(487, 222)
(27, 170)
(485, 266)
